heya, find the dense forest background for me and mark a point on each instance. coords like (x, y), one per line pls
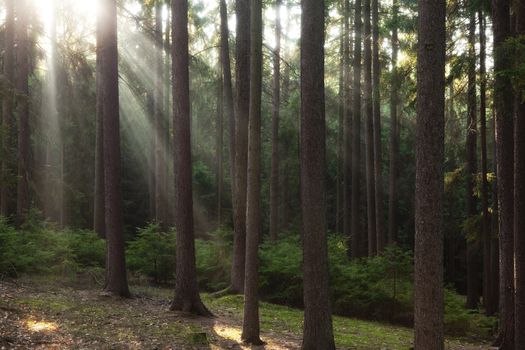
(247, 169)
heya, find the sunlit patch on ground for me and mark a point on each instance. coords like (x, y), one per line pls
(41, 326)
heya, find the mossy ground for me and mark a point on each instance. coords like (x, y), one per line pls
(39, 314)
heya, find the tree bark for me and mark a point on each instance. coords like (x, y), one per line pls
(471, 170)
(488, 298)
(219, 144)
(519, 191)
(369, 135)
(376, 97)
(318, 333)
(358, 243)
(7, 110)
(160, 127)
(187, 297)
(22, 81)
(99, 224)
(227, 90)
(347, 126)
(276, 104)
(394, 133)
(116, 281)
(503, 102)
(241, 143)
(250, 326)
(428, 278)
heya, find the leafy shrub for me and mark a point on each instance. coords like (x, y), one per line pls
(152, 254)
(40, 248)
(214, 261)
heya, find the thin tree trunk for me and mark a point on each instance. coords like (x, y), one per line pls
(503, 102)
(494, 248)
(7, 109)
(186, 290)
(274, 182)
(488, 299)
(250, 326)
(160, 127)
(428, 274)
(227, 90)
(347, 126)
(318, 333)
(471, 170)
(394, 133)
(116, 281)
(376, 96)
(519, 192)
(358, 243)
(340, 130)
(22, 42)
(369, 135)
(241, 143)
(219, 145)
(99, 224)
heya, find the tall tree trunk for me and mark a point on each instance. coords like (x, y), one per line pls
(340, 129)
(274, 182)
(167, 110)
(428, 277)
(160, 127)
(241, 143)
(358, 243)
(22, 56)
(219, 145)
(488, 298)
(376, 95)
(99, 223)
(7, 109)
(347, 127)
(503, 102)
(394, 133)
(369, 135)
(116, 281)
(318, 333)
(471, 170)
(519, 191)
(186, 290)
(227, 90)
(250, 326)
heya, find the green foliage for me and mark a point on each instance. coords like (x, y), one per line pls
(214, 260)
(39, 248)
(152, 253)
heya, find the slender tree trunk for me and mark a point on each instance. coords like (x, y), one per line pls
(219, 145)
(369, 135)
(503, 102)
(227, 89)
(347, 126)
(394, 133)
(376, 96)
(358, 243)
(241, 143)
(186, 290)
(116, 281)
(250, 326)
(22, 42)
(318, 333)
(167, 110)
(160, 127)
(7, 109)
(340, 179)
(274, 186)
(428, 277)
(519, 192)
(471, 170)
(488, 299)
(494, 248)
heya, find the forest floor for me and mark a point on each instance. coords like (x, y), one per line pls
(44, 314)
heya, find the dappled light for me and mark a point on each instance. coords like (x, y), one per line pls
(41, 326)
